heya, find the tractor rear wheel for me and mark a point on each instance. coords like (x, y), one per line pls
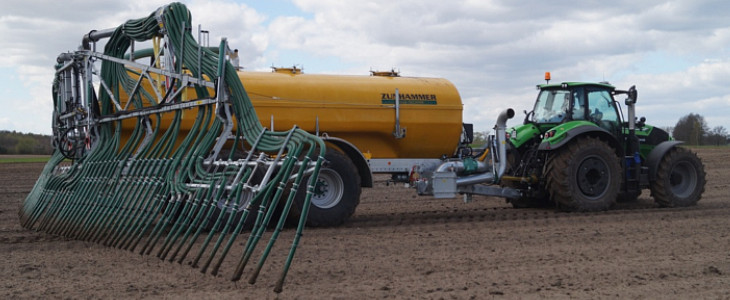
(584, 176)
(680, 179)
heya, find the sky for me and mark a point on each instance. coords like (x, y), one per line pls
(677, 53)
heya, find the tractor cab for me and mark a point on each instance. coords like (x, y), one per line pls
(575, 101)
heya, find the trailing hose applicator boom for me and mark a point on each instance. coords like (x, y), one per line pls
(137, 181)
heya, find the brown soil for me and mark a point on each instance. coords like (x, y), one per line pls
(399, 245)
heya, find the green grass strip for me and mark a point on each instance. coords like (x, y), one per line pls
(31, 159)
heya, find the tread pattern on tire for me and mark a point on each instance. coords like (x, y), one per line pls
(338, 214)
(661, 187)
(561, 166)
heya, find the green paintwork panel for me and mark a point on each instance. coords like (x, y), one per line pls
(561, 131)
(649, 137)
(644, 150)
(521, 134)
(642, 134)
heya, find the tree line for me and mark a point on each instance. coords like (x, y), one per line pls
(12, 142)
(693, 130)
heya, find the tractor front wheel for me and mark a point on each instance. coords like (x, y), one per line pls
(584, 176)
(680, 179)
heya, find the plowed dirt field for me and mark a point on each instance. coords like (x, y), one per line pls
(399, 245)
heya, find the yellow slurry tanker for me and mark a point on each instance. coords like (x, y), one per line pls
(378, 123)
(381, 123)
(362, 110)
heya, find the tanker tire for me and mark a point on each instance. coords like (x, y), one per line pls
(218, 213)
(336, 194)
(680, 179)
(584, 176)
(218, 208)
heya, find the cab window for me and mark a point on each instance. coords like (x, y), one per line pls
(551, 106)
(601, 109)
(579, 106)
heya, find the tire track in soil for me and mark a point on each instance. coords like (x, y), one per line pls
(625, 211)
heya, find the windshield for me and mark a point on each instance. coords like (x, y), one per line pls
(551, 106)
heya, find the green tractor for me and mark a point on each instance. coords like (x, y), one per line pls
(575, 150)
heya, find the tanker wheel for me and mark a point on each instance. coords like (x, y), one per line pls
(584, 176)
(680, 179)
(221, 211)
(336, 192)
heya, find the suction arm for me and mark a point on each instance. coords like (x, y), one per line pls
(94, 36)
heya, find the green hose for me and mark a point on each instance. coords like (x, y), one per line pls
(160, 186)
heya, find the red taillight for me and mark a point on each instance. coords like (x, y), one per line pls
(414, 176)
(550, 134)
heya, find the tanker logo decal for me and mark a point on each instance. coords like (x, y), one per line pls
(405, 98)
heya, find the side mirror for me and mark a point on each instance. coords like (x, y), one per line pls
(632, 94)
(527, 116)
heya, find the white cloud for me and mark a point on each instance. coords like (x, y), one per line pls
(495, 51)
(240, 24)
(676, 52)
(699, 89)
(5, 122)
(35, 33)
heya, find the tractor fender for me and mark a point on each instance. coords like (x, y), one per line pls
(572, 133)
(363, 169)
(655, 156)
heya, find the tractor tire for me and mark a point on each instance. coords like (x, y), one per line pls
(680, 179)
(584, 176)
(336, 194)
